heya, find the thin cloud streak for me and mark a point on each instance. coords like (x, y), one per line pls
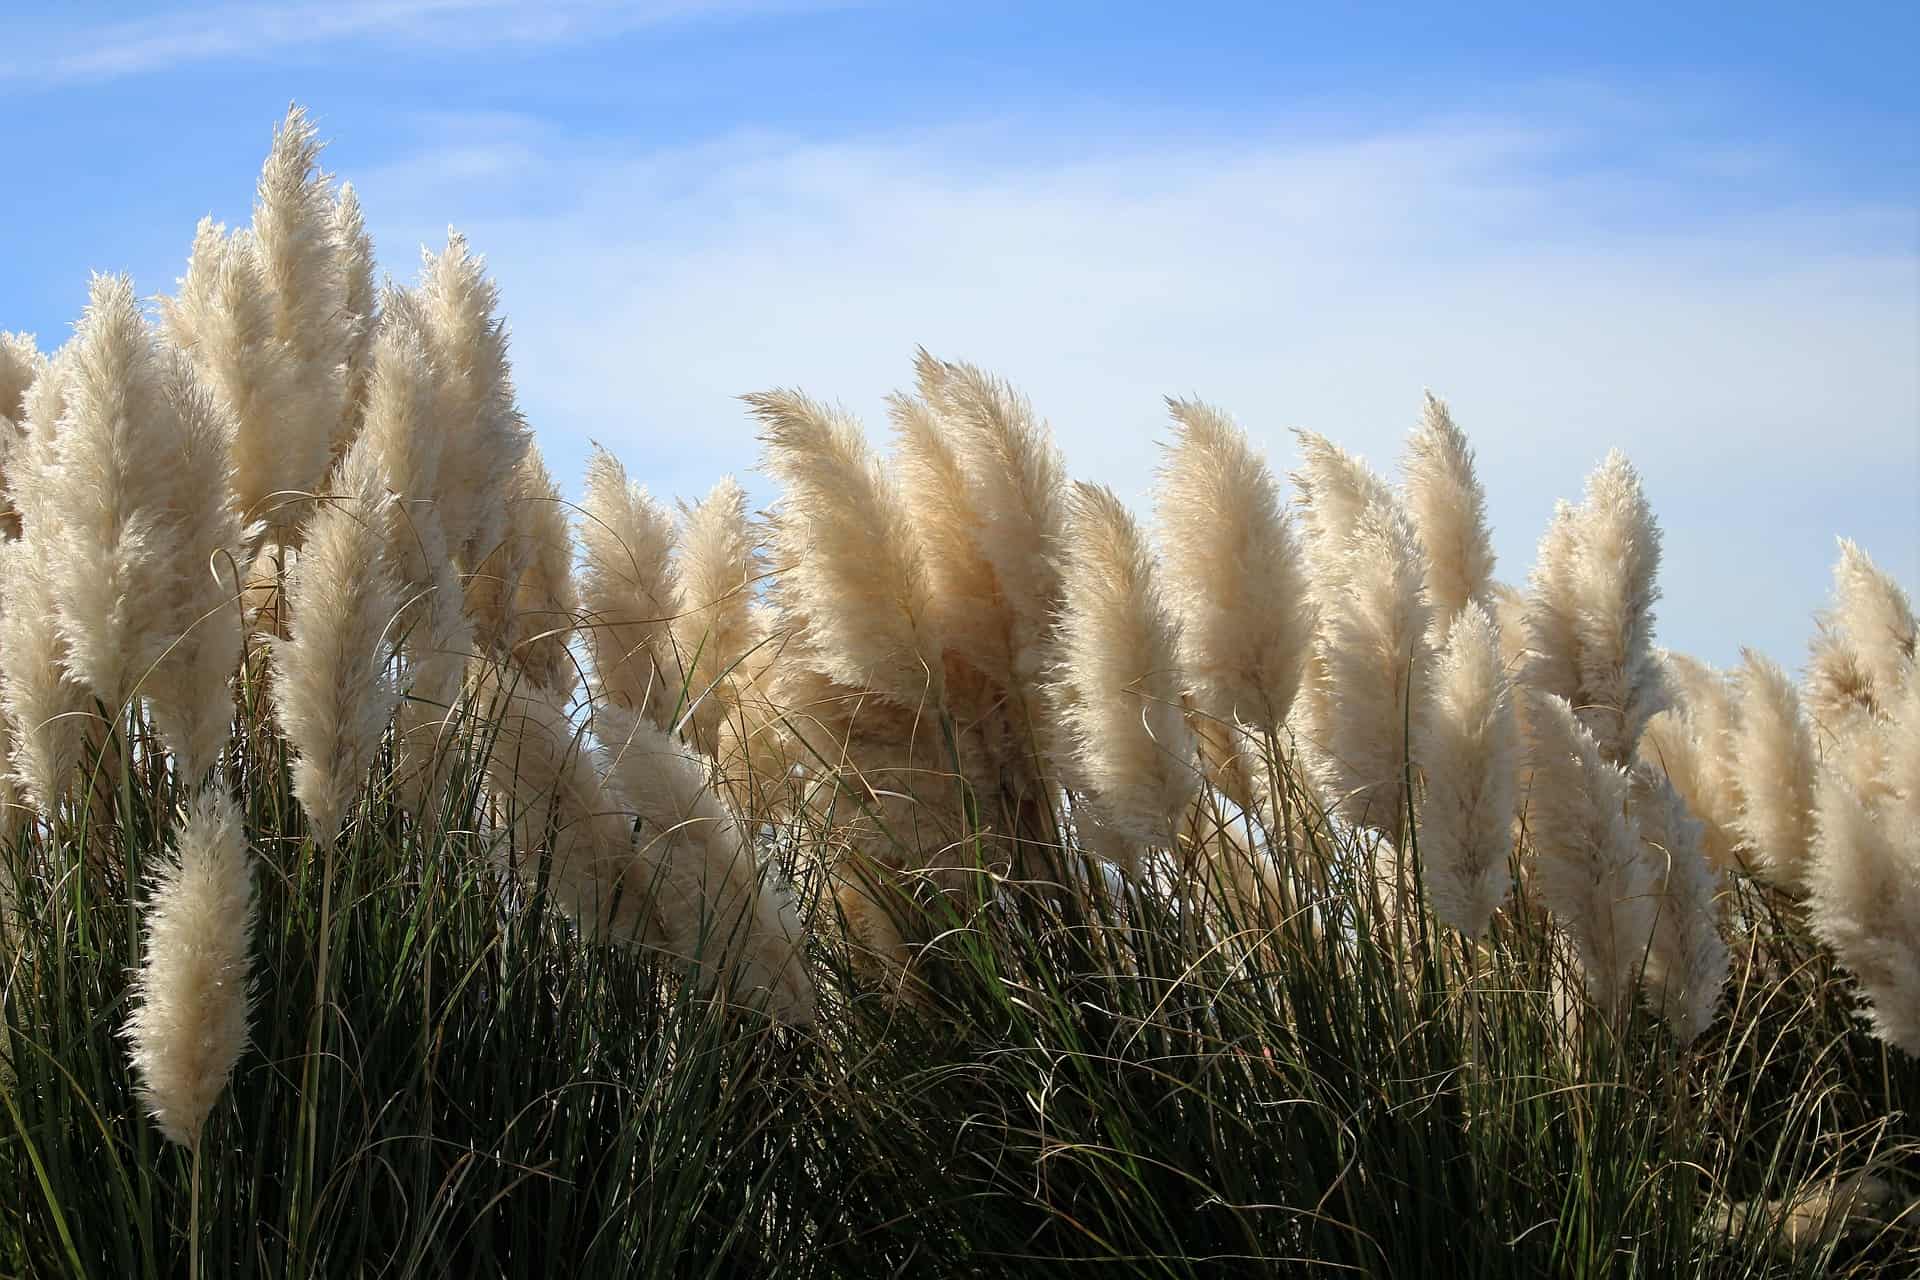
(196, 36)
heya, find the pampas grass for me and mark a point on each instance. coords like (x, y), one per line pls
(1591, 610)
(331, 694)
(1589, 864)
(627, 593)
(1772, 750)
(1118, 684)
(1470, 765)
(850, 567)
(1233, 572)
(1449, 509)
(935, 873)
(189, 1026)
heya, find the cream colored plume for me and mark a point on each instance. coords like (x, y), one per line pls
(1589, 864)
(456, 308)
(403, 439)
(190, 687)
(718, 632)
(47, 707)
(354, 248)
(1691, 742)
(1470, 762)
(1017, 485)
(223, 318)
(20, 363)
(1234, 577)
(304, 265)
(968, 611)
(189, 1024)
(1591, 610)
(1119, 694)
(569, 830)
(1335, 487)
(1771, 748)
(716, 907)
(627, 593)
(331, 692)
(1863, 885)
(1686, 959)
(522, 598)
(106, 515)
(1863, 653)
(1366, 709)
(1449, 509)
(846, 554)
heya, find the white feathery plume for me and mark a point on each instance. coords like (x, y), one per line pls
(1470, 762)
(1364, 718)
(1018, 485)
(847, 555)
(20, 363)
(331, 691)
(627, 593)
(716, 906)
(1863, 653)
(354, 249)
(224, 319)
(545, 600)
(1233, 572)
(296, 243)
(1593, 589)
(1771, 746)
(521, 599)
(1615, 589)
(716, 569)
(968, 611)
(1119, 697)
(1449, 509)
(1334, 487)
(47, 707)
(569, 829)
(1690, 742)
(404, 437)
(191, 687)
(1863, 884)
(1686, 960)
(107, 515)
(456, 308)
(189, 1024)
(1589, 863)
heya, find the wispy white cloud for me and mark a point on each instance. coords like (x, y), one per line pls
(78, 52)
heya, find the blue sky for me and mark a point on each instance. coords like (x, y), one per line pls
(1693, 232)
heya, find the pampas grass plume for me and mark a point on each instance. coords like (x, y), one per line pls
(189, 1025)
(848, 559)
(332, 694)
(716, 907)
(1119, 653)
(1470, 763)
(1449, 508)
(627, 593)
(1772, 748)
(1863, 884)
(1589, 864)
(1016, 480)
(1233, 572)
